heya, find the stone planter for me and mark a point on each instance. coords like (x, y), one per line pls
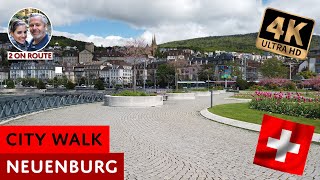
(206, 93)
(216, 92)
(202, 93)
(180, 96)
(133, 101)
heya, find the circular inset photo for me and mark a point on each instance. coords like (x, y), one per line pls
(29, 30)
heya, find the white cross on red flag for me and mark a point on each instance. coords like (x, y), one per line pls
(283, 145)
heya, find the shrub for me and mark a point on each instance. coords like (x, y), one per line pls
(292, 104)
(200, 89)
(70, 85)
(277, 84)
(313, 83)
(257, 88)
(41, 85)
(132, 93)
(242, 84)
(218, 88)
(99, 85)
(10, 84)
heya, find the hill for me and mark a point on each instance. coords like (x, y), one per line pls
(63, 41)
(237, 43)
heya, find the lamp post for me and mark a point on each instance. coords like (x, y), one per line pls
(176, 74)
(144, 75)
(208, 81)
(290, 70)
(155, 80)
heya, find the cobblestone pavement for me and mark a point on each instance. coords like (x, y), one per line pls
(174, 141)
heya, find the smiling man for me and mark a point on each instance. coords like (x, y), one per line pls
(38, 28)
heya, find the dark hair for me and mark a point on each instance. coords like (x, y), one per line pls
(15, 24)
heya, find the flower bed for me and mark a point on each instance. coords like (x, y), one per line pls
(276, 84)
(293, 104)
(313, 83)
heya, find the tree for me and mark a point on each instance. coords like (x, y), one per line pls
(10, 84)
(206, 72)
(242, 84)
(99, 84)
(307, 74)
(41, 85)
(4, 62)
(165, 75)
(236, 71)
(70, 85)
(177, 64)
(273, 68)
(82, 81)
(136, 51)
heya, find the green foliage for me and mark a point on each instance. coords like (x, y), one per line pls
(70, 85)
(242, 84)
(237, 43)
(63, 42)
(200, 90)
(308, 110)
(28, 82)
(273, 68)
(10, 84)
(132, 93)
(307, 74)
(62, 81)
(242, 112)
(99, 85)
(218, 88)
(41, 85)
(159, 54)
(165, 75)
(257, 88)
(4, 62)
(82, 80)
(207, 71)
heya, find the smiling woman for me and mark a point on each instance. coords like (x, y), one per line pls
(18, 34)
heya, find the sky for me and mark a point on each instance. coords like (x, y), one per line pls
(115, 22)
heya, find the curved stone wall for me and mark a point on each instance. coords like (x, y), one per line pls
(133, 101)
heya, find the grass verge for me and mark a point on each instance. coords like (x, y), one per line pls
(242, 112)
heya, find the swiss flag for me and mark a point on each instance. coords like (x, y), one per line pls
(283, 145)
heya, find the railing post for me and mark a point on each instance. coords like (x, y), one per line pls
(211, 96)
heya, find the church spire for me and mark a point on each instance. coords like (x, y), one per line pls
(154, 45)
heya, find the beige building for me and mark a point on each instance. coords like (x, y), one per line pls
(89, 47)
(70, 58)
(85, 57)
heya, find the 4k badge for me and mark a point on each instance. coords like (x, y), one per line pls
(285, 34)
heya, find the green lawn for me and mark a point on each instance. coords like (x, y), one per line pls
(242, 112)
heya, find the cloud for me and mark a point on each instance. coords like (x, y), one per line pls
(97, 40)
(169, 19)
(3, 30)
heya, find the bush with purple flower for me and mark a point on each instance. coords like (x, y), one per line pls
(289, 103)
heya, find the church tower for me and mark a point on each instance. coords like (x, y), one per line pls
(154, 45)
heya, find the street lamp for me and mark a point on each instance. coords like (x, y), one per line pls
(176, 74)
(155, 80)
(290, 70)
(144, 75)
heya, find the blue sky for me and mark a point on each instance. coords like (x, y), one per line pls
(101, 27)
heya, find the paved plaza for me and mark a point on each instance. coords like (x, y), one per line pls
(174, 141)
